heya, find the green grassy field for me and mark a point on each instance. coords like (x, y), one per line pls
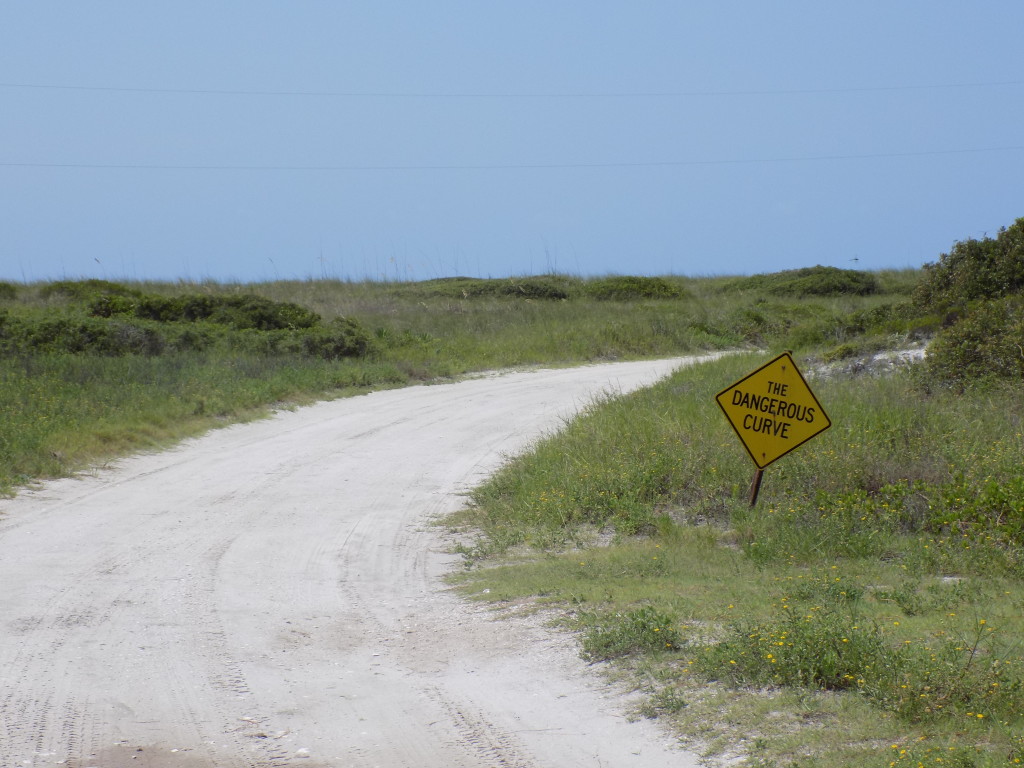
(867, 612)
(93, 369)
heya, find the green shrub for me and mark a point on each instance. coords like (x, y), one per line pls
(78, 335)
(344, 337)
(810, 281)
(194, 337)
(239, 312)
(8, 291)
(631, 288)
(120, 326)
(975, 269)
(110, 304)
(177, 309)
(135, 339)
(986, 342)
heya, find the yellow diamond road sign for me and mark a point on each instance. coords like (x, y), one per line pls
(773, 410)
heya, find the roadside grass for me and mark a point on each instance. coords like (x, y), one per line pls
(870, 606)
(94, 369)
(63, 413)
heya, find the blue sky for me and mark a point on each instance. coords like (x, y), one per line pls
(412, 140)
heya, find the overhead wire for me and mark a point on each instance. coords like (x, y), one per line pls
(508, 94)
(504, 95)
(504, 166)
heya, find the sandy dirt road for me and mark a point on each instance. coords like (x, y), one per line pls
(271, 595)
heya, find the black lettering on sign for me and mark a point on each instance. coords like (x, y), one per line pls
(773, 406)
(784, 413)
(766, 426)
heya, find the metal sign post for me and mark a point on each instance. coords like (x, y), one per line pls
(755, 486)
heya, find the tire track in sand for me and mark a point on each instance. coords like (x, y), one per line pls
(270, 596)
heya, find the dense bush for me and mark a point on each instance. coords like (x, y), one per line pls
(987, 341)
(343, 337)
(811, 281)
(239, 312)
(974, 296)
(975, 269)
(8, 291)
(110, 320)
(624, 288)
(77, 335)
(70, 334)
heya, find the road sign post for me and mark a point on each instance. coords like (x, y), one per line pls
(755, 486)
(773, 411)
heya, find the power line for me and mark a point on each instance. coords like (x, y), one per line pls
(508, 95)
(502, 166)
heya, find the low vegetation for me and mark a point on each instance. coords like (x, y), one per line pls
(811, 281)
(95, 368)
(867, 612)
(875, 589)
(976, 292)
